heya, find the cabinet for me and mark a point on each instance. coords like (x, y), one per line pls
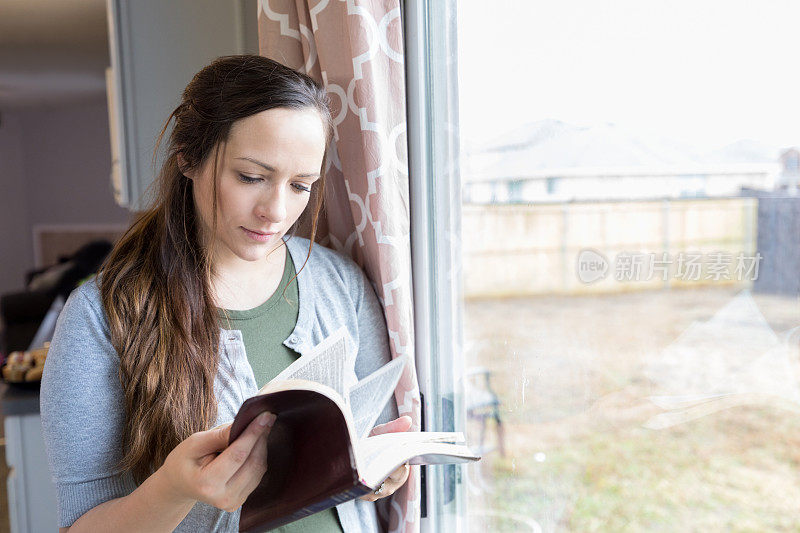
(156, 47)
(31, 491)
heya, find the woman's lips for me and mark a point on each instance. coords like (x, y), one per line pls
(256, 236)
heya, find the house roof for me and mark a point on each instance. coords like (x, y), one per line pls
(554, 148)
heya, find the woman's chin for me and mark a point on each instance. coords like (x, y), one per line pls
(254, 254)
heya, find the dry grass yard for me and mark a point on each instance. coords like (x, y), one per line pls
(653, 411)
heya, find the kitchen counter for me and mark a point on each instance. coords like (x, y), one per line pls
(15, 401)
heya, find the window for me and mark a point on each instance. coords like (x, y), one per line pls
(552, 185)
(515, 191)
(637, 335)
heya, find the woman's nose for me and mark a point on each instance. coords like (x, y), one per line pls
(272, 206)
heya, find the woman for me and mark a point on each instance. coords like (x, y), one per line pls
(197, 306)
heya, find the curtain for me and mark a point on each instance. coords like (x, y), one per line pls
(355, 49)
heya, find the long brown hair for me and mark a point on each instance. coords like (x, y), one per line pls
(156, 283)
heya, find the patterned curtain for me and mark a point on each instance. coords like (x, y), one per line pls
(355, 48)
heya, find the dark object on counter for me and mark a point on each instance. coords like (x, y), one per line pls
(33, 386)
(18, 401)
(22, 312)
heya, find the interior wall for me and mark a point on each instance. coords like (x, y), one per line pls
(54, 170)
(16, 247)
(67, 156)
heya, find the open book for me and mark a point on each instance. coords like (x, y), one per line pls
(319, 451)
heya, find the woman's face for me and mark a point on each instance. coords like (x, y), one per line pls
(264, 175)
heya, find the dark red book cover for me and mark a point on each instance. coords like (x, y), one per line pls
(310, 460)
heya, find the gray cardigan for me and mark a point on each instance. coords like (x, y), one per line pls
(81, 397)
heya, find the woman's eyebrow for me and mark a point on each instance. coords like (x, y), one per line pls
(272, 169)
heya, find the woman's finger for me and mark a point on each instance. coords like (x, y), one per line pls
(247, 478)
(234, 456)
(209, 441)
(400, 475)
(390, 485)
(395, 480)
(395, 426)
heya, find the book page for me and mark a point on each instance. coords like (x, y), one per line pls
(369, 396)
(331, 363)
(371, 447)
(378, 456)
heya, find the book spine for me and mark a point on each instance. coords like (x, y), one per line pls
(334, 500)
(342, 497)
(327, 503)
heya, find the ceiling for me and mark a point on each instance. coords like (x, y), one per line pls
(52, 51)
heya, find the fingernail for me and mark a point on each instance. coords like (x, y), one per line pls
(262, 419)
(271, 419)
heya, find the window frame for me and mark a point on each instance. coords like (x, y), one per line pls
(435, 219)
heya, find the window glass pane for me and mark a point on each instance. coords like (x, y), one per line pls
(631, 246)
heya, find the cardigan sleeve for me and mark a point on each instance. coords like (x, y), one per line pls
(373, 339)
(81, 409)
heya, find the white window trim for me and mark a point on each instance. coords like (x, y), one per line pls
(435, 204)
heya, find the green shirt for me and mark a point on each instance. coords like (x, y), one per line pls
(264, 328)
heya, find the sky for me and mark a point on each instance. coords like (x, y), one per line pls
(709, 72)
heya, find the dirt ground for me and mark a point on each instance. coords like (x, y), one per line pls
(653, 411)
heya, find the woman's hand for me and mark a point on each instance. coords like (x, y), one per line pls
(204, 468)
(397, 478)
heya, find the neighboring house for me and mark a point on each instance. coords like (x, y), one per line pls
(563, 185)
(550, 161)
(790, 172)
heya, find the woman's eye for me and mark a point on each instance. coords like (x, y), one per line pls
(248, 179)
(300, 187)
